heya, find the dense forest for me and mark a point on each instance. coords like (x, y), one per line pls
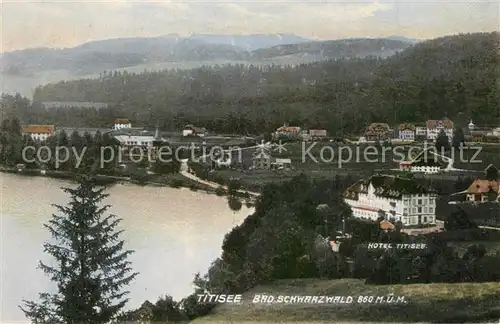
(449, 76)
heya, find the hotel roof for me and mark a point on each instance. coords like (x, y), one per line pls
(386, 186)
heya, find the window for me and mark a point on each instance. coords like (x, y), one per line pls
(419, 210)
(431, 210)
(420, 201)
(413, 210)
(405, 211)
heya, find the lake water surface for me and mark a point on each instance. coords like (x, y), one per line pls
(175, 233)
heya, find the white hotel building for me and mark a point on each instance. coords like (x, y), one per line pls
(395, 197)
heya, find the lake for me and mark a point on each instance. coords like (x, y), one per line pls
(175, 233)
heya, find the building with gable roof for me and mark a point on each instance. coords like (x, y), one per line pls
(39, 132)
(434, 127)
(400, 198)
(288, 131)
(483, 191)
(406, 132)
(122, 123)
(378, 132)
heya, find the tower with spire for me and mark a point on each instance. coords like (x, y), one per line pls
(157, 142)
(471, 126)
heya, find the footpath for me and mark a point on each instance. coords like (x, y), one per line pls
(185, 172)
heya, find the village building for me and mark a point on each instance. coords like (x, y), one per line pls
(378, 132)
(425, 162)
(39, 133)
(434, 127)
(406, 132)
(496, 132)
(405, 166)
(261, 161)
(288, 131)
(313, 134)
(421, 131)
(395, 197)
(191, 130)
(483, 191)
(281, 164)
(122, 123)
(478, 136)
(130, 141)
(138, 138)
(427, 166)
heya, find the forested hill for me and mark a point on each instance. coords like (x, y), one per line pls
(444, 76)
(347, 48)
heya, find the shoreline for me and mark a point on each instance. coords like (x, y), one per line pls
(179, 180)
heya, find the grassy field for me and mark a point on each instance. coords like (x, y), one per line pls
(429, 303)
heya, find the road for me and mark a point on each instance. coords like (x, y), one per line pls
(185, 172)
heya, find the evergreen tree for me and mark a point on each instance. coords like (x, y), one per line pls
(458, 138)
(92, 268)
(491, 173)
(61, 151)
(442, 141)
(11, 141)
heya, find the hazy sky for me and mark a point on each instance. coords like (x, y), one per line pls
(68, 23)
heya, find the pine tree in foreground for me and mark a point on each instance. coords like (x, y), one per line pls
(91, 269)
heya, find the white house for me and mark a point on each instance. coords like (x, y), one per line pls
(121, 123)
(282, 163)
(406, 132)
(421, 130)
(288, 131)
(434, 127)
(425, 162)
(143, 141)
(39, 132)
(395, 197)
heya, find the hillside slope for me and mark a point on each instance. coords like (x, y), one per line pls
(23, 70)
(336, 49)
(437, 303)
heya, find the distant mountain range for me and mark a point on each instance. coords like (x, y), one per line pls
(251, 42)
(44, 65)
